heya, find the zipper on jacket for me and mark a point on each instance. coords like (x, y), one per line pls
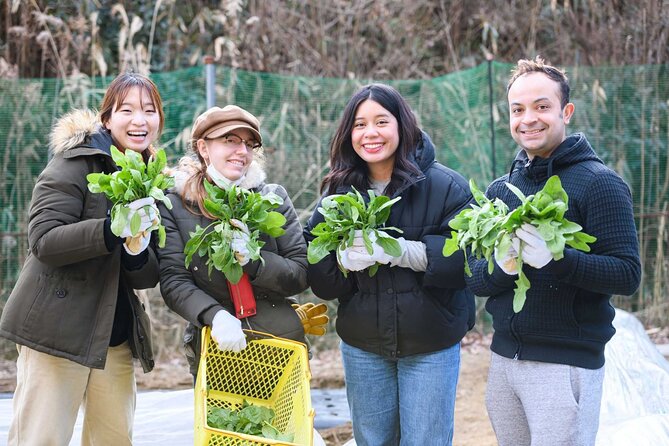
(519, 347)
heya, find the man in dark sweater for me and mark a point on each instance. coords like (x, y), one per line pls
(547, 365)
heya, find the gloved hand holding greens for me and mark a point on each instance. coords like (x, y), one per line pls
(489, 226)
(135, 180)
(346, 214)
(240, 216)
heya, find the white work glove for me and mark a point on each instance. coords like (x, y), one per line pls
(359, 258)
(414, 255)
(509, 262)
(227, 331)
(240, 240)
(239, 246)
(351, 260)
(147, 211)
(533, 249)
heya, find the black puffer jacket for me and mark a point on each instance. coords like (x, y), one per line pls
(399, 312)
(567, 315)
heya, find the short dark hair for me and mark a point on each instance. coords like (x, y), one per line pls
(346, 167)
(538, 65)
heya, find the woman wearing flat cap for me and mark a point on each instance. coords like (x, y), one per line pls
(227, 149)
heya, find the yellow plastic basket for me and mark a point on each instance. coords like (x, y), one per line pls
(271, 372)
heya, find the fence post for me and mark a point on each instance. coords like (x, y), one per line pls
(210, 76)
(491, 104)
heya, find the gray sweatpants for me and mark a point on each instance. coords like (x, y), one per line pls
(541, 404)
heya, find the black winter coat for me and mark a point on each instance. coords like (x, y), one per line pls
(400, 312)
(567, 317)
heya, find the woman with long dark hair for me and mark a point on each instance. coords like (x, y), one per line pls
(401, 328)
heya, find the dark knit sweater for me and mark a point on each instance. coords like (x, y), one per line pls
(567, 317)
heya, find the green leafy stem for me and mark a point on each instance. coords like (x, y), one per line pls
(234, 209)
(346, 214)
(134, 180)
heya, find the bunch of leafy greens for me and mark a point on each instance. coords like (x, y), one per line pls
(234, 209)
(489, 226)
(133, 181)
(346, 214)
(249, 419)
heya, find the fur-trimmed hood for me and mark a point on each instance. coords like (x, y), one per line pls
(72, 129)
(188, 167)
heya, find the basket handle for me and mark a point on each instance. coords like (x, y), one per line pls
(250, 334)
(255, 334)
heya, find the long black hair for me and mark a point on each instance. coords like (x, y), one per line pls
(347, 168)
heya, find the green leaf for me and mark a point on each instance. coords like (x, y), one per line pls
(451, 245)
(390, 245)
(520, 293)
(161, 236)
(517, 192)
(119, 219)
(135, 223)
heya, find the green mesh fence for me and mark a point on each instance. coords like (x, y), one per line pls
(622, 110)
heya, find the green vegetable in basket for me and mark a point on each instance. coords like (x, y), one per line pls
(488, 226)
(248, 419)
(133, 181)
(344, 215)
(234, 209)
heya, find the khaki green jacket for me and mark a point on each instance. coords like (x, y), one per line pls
(197, 297)
(64, 300)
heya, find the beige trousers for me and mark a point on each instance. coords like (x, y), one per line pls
(50, 390)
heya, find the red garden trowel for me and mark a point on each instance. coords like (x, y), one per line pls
(242, 297)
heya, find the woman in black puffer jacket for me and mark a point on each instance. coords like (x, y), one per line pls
(401, 328)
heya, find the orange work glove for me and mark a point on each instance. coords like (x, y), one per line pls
(314, 317)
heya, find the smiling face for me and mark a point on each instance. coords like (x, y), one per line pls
(134, 122)
(231, 160)
(537, 120)
(375, 138)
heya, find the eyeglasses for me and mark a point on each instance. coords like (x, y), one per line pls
(232, 141)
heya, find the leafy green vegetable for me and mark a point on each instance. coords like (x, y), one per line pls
(248, 419)
(133, 181)
(488, 226)
(234, 209)
(344, 215)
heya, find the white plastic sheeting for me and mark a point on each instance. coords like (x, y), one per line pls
(635, 402)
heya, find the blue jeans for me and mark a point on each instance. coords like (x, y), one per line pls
(404, 401)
